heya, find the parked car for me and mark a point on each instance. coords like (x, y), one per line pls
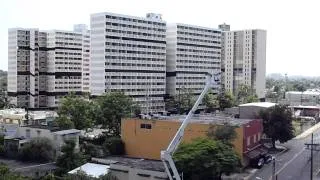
(260, 160)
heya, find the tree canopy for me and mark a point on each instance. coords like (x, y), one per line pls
(37, 150)
(277, 123)
(245, 94)
(106, 110)
(5, 174)
(225, 133)
(112, 107)
(211, 101)
(205, 159)
(226, 100)
(75, 112)
(69, 159)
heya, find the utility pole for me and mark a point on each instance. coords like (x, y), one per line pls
(273, 168)
(311, 158)
(312, 147)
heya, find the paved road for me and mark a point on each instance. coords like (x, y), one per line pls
(293, 164)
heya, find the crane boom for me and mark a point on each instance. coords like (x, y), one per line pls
(166, 155)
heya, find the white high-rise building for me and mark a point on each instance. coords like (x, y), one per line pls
(192, 52)
(47, 65)
(244, 59)
(128, 54)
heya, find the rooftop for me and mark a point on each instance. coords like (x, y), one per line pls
(259, 104)
(146, 164)
(92, 169)
(68, 131)
(205, 119)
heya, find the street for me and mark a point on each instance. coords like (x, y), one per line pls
(295, 163)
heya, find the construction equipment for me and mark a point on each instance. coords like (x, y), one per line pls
(213, 79)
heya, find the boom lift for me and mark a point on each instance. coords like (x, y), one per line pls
(166, 155)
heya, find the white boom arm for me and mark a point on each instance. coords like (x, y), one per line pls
(166, 155)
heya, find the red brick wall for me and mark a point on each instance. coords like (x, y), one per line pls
(252, 132)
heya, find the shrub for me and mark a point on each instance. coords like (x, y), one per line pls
(37, 150)
(114, 146)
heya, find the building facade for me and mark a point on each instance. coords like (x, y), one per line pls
(44, 66)
(139, 135)
(244, 59)
(128, 54)
(192, 52)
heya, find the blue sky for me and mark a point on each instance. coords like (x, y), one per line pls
(292, 26)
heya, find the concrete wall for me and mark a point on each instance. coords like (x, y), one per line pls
(250, 112)
(147, 143)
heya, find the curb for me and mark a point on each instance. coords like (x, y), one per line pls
(252, 172)
(285, 149)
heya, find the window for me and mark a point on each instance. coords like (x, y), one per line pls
(145, 126)
(259, 136)
(254, 138)
(248, 141)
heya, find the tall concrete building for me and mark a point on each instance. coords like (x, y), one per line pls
(244, 59)
(44, 66)
(128, 54)
(192, 52)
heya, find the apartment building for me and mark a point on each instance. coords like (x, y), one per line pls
(44, 66)
(192, 52)
(244, 59)
(128, 54)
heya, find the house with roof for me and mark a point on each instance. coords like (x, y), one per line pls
(24, 134)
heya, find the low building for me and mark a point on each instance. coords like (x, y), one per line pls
(146, 138)
(252, 110)
(306, 98)
(126, 168)
(19, 116)
(92, 169)
(12, 144)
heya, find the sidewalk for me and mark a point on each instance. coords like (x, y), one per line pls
(308, 131)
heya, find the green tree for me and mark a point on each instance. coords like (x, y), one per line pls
(225, 133)
(277, 123)
(226, 100)
(37, 150)
(5, 174)
(114, 146)
(112, 107)
(251, 98)
(76, 112)
(206, 159)
(184, 100)
(69, 159)
(210, 100)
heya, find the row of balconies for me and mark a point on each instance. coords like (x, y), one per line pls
(133, 42)
(136, 49)
(136, 23)
(135, 36)
(132, 29)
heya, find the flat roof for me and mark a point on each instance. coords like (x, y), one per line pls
(306, 107)
(205, 119)
(92, 169)
(68, 131)
(259, 104)
(146, 164)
